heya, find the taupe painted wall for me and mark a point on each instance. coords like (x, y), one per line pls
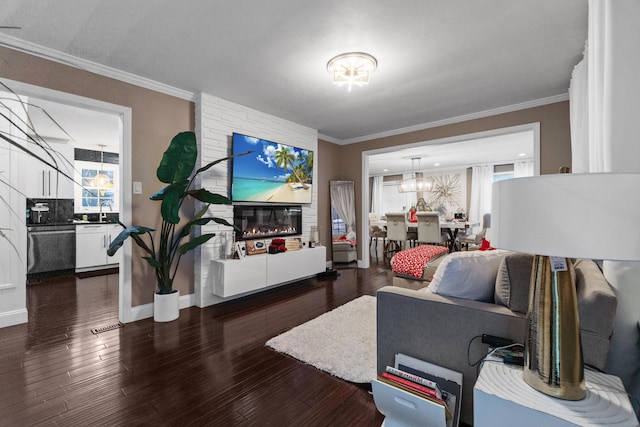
(328, 170)
(156, 118)
(555, 144)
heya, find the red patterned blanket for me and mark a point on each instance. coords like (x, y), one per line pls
(344, 239)
(412, 261)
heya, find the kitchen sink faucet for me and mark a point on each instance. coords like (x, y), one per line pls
(103, 215)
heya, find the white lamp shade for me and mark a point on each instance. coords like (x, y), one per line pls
(592, 216)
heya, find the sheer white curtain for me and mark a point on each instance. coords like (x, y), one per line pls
(613, 129)
(579, 116)
(596, 84)
(377, 206)
(587, 93)
(522, 169)
(481, 181)
(343, 200)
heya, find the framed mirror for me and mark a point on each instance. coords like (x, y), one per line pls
(343, 222)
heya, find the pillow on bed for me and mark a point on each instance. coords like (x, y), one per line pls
(468, 275)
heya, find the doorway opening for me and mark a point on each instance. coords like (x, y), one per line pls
(87, 111)
(467, 150)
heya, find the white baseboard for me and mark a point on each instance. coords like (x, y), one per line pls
(187, 301)
(140, 312)
(145, 311)
(15, 317)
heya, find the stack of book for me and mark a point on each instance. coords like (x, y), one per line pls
(416, 385)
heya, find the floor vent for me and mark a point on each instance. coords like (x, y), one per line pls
(107, 328)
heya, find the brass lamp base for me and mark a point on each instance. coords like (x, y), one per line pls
(553, 351)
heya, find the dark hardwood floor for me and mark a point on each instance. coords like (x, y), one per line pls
(210, 367)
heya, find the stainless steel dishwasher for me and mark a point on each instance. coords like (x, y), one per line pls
(51, 248)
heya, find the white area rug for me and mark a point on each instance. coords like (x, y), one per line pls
(341, 342)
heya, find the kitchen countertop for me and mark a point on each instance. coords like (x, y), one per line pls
(69, 224)
(51, 227)
(80, 222)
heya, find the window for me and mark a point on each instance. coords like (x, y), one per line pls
(392, 199)
(338, 227)
(501, 176)
(502, 172)
(93, 190)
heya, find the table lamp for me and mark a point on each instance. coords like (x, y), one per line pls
(555, 217)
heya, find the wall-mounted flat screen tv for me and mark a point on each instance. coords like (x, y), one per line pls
(272, 173)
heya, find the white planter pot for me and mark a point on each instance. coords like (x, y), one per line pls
(166, 307)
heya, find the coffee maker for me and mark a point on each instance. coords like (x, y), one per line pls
(40, 213)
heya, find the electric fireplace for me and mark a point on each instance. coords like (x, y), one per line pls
(266, 222)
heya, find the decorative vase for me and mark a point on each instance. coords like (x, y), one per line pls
(166, 307)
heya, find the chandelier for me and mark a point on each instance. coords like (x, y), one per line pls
(417, 183)
(353, 68)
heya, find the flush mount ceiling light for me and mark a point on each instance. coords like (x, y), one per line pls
(353, 68)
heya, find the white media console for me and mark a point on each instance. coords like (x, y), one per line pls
(257, 272)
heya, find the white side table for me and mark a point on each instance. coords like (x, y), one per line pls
(502, 398)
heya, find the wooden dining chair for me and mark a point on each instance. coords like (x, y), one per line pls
(429, 230)
(377, 233)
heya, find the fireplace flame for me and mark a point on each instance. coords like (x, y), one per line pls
(260, 232)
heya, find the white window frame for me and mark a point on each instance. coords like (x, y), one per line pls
(77, 192)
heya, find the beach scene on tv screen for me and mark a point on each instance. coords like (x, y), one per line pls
(273, 172)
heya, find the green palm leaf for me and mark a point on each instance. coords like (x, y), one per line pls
(195, 242)
(134, 232)
(180, 158)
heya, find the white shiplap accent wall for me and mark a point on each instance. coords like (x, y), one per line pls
(216, 120)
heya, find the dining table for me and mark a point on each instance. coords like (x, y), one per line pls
(452, 227)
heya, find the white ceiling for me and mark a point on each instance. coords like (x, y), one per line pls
(79, 127)
(438, 59)
(499, 149)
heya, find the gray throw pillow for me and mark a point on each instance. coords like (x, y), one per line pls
(513, 281)
(596, 299)
(469, 275)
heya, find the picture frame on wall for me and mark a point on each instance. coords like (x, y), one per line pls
(255, 247)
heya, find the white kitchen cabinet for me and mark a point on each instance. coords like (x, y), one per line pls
(258, 272)
(112, 232)
(43, 181)
(92, 242)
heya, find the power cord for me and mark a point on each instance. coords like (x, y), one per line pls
(469, 351)
(492, 352)
(499, 348)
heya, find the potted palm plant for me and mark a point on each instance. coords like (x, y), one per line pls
(164, 248)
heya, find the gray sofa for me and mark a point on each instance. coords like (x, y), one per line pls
(441, 329)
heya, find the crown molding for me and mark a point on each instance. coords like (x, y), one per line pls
(93, 67)
(331, 139)
(83, 64)
(467, 117)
